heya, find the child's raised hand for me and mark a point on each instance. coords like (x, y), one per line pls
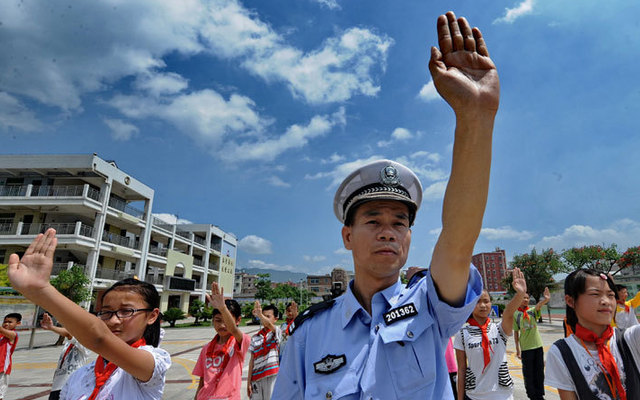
(519, 283)
(216, 299)
(546, 294)
(32, 272)
(257, 309)
(46, 322)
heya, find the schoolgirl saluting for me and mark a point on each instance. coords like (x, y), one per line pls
(125, 332)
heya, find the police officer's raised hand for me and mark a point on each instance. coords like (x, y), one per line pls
(462, 71)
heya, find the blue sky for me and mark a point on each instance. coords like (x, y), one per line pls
(247, 114)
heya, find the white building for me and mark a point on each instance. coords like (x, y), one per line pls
(104, 222)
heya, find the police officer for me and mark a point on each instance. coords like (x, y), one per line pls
(381, 339)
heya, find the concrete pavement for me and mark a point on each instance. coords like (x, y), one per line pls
(33, 369)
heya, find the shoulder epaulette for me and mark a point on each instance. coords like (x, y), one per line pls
(417, 276)
(308, 313)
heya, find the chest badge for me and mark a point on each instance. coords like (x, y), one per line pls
(329, 364)
(400, 313)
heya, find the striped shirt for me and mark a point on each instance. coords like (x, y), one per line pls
(265, 348)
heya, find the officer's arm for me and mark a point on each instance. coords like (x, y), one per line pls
(467, 79)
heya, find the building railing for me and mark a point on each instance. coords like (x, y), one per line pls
(184, 234)
(162, 224)
(49, 191)
(124, 207)
(154, 280)
(73, 228)
(200, 240)
(58, 267)
(118, 239)
(160, 251)
(112, 274)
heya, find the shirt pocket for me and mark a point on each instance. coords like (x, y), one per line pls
(410, 352)
(337, 385)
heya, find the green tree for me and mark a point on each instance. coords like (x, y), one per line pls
(207, 313)
(74, 284)
(630, 258)
(4, 277)
(172, 315)
(195, 309)
(594, 256)
(247, 309)
(538, 270)
(263, 284)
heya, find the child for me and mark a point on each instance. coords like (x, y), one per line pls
(452, 367)
(595, 361)
(220, 362)
(527, 337)
(481, 348)
(73, 356)
(125, 331)
(8, 343)
(291, 313)
(265, 354)
(625, 316)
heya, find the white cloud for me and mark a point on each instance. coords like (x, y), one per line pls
(342, 250)
(15, 115)
(263, 265)
(277, 182)
(296, 136)
(334, 158)
(624, 233)
(435, 231)
(314, 258)
(120, 130)
(341, 171)
(171, 219)
(433, 157)
(158, 84)
(505, 232)
(435, 191)
(330, 4)
(401, 134)
(511, 14)
(255, 245)
(428, 92)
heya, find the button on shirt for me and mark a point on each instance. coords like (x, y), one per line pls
(400, 357)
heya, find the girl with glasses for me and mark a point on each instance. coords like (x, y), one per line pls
(125, 333)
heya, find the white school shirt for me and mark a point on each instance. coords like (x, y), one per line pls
(75, 358)
(495, 382)
(557, 374)
(120, 385)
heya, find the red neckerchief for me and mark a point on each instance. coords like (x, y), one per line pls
(266, 345)
(525, 314)
(486, 345)
(289, 322)
(103, 372)
(225, 353)
(622, 303)
(66, 353)
(606, 358)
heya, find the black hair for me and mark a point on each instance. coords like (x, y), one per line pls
(289, 304)
(273, 308)
(232, 306)
(150, 295)
(14, 315)
(619, 287)
(575, 284)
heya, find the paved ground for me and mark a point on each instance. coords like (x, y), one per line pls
(33, 369)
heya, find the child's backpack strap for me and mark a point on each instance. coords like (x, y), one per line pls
(632, 379)
(582, 388)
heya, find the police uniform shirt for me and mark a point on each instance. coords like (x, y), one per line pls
(395, 354)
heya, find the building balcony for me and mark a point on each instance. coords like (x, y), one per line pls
(50, 191)
(158, 223)
(126, 208)
(112, 274)
(58, 267)
(159, 251)
(20, 229)
(118, 239)
(154, 280)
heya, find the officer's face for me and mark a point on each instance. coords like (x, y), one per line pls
(379, 238)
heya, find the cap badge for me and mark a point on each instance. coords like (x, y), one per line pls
(389, 176)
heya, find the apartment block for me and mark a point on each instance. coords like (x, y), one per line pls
(492, 267)
(104, 222)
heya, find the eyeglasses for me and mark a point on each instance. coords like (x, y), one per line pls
(123, 313)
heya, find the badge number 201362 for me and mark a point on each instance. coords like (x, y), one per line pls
(400, 313)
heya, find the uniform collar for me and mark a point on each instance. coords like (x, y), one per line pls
(351, 305)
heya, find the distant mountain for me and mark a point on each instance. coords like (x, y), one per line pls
(275, 275)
